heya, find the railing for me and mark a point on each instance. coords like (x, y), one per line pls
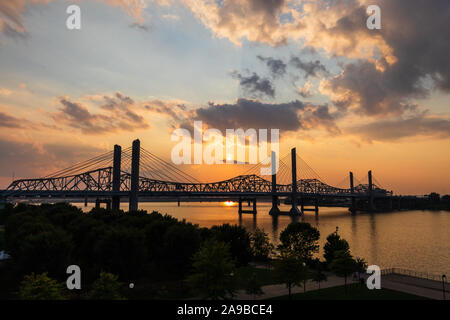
(412, 273)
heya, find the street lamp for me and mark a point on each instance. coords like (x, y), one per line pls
(443, 285)
(304, 279)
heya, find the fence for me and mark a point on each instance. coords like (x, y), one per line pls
(412, 273)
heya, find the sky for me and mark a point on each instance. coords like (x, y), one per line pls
(347, 97)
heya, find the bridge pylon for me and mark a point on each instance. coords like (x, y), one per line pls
(274, 211)
(134, 184)
(294, 210)
(371, 202)
(352, 191)
(116, 177)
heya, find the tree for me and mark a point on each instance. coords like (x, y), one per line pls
(213, 270)
(254, 286)
(261, 246)
(181, 242)
(40, 287)
(300, 238)
(289, 269)
(318, 276)
(343, 264)
(238, 239)
(122, 251)
(106, 287)
(334, 243)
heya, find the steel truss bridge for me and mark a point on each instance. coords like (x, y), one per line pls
(138, 175)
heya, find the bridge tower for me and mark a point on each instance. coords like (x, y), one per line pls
(371, 204)
(134, 184)
(116, 177)
(294, 210)
(352, 191)
(274, 210)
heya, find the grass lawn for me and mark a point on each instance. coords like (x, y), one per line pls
(263, 276)
(354, 292)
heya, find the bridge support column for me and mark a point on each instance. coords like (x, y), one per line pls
(316, 206)
(249, 200)
(352, 191)
(294, 210)
(274, 211)
(371, 202)
(116, 177)
(134, 185)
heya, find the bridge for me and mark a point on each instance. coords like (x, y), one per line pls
(136, 174)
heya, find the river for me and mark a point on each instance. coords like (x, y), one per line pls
(416, 240)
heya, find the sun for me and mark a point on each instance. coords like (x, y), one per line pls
(229, 203)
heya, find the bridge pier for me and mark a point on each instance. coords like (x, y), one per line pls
(316, 206)
(371, 200)
(99, 201)
(274, 211)
(249, 200)
(294, 209)
(116, 177)
(352, 191)
(134, 186)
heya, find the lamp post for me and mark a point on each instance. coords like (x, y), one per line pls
(443, 285)
(304, 279)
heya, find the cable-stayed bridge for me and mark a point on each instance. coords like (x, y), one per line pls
(135, 174)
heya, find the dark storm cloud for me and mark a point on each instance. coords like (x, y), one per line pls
(310, 68)
(120, 115)
(246, 113)
(276, 66)
(420, 43)
(391, 130)
(255, 86)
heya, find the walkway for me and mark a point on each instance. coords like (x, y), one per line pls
(421, 287)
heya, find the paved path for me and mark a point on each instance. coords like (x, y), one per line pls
(416, 286)
(420, 287)
(277, 290)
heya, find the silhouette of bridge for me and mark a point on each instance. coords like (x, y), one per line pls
(137, 175)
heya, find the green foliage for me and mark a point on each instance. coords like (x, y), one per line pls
(106, 287)
(289, 269)
(343, 264)
(334, 243)
(40, 287)
(254, 286)
(122, 250)
(318, 276)
(237, 238)
(213, 270)
(262, 248)
(301, 239)
(181, 242)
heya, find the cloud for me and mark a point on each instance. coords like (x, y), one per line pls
(276, 66)
(310, 68)
(8, 121)
(29, 159)
(254, 86)
(255, 20)
(12, 11)
(305, 91)
(118, 116)
(11, 20)
(393, 130)
(246, 113)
